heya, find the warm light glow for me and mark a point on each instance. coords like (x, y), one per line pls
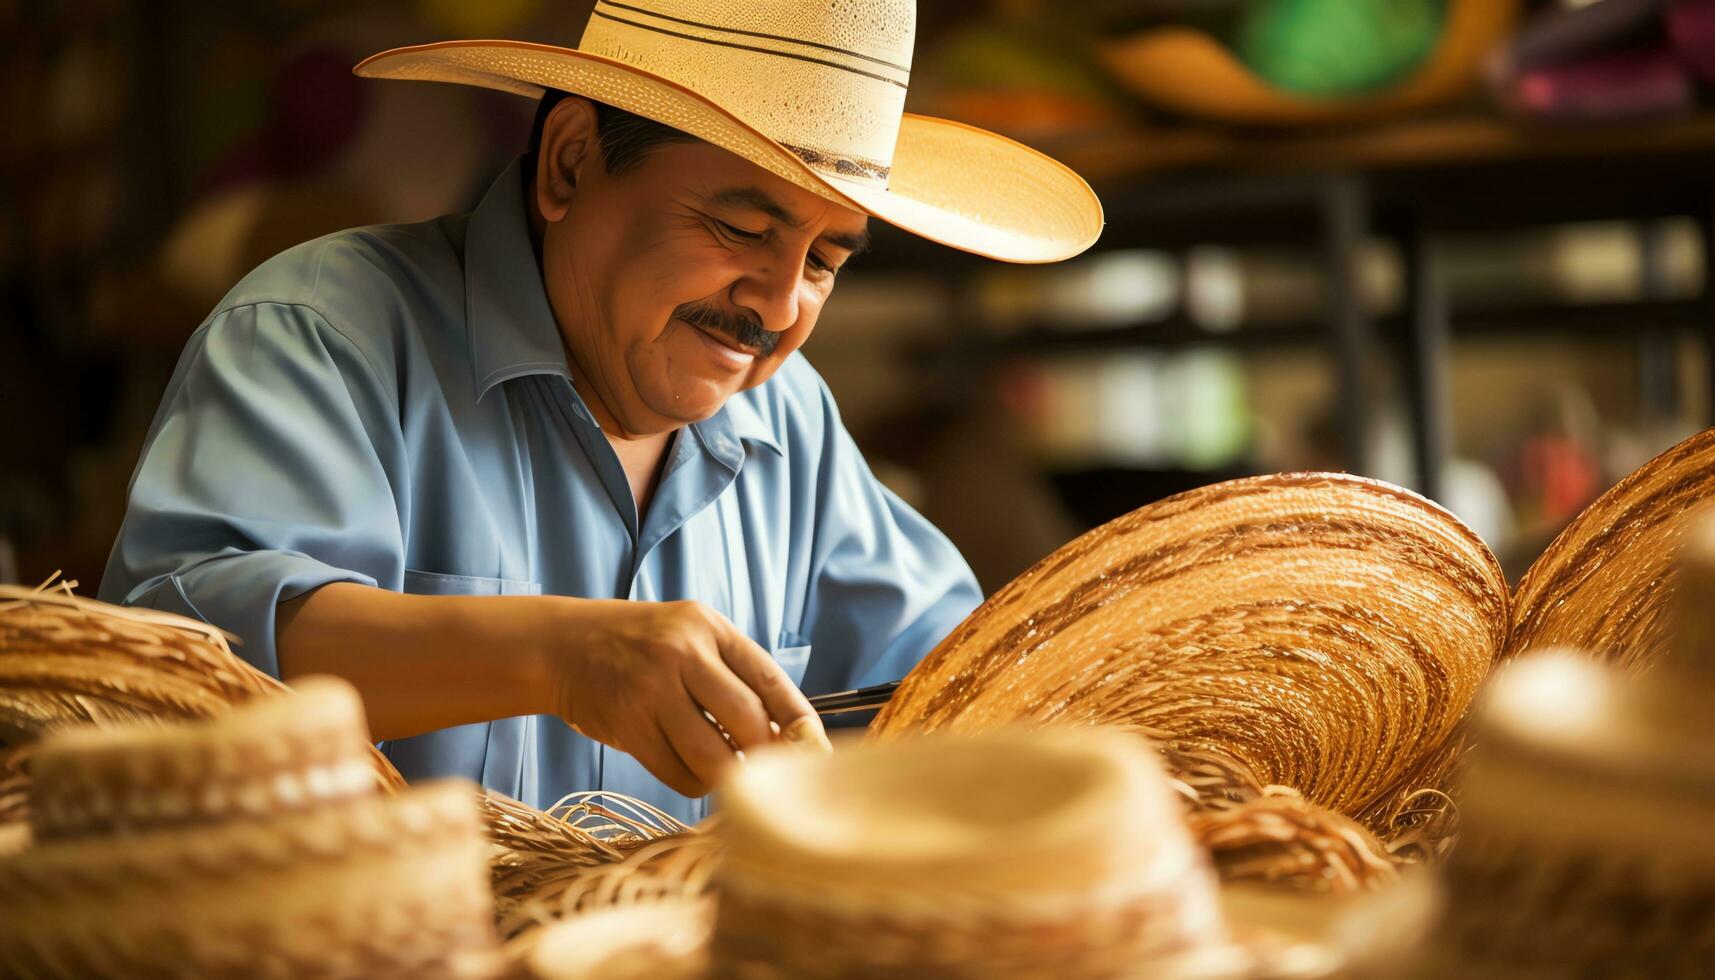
(1550, 693)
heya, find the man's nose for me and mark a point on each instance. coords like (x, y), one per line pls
(771, 293)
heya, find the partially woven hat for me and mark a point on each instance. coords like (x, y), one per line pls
(1014, 854)
(253, 844)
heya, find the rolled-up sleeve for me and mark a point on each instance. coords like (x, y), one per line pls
(885, 584)
(270, 470)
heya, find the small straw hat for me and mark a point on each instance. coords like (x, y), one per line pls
(813, 92)
(274, 756)
(1012, 854)
(664, 939)
(254, 844)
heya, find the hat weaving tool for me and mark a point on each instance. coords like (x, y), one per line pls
(862, 699)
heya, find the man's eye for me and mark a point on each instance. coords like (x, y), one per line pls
(821, 265)
(738, 233)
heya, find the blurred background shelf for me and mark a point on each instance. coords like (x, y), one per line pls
(1456, 140)
(1604, 321)
(1504, 313)
(1414, 188)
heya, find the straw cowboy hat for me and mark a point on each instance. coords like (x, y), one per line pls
(813, 92)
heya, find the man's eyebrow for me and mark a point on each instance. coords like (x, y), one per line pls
(854, 242)
(758, 199)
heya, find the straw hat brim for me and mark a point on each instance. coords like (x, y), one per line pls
(957, 185)
(1275, 932)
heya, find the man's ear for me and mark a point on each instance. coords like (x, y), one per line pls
(570, 143)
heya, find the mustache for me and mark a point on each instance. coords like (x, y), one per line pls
(739, 327)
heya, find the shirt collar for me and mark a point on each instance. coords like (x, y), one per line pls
(739, 419)
(512, 330)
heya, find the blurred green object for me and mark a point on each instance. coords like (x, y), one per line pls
(1337, 47)
(1200, 74)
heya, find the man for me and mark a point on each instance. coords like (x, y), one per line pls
(549, 482)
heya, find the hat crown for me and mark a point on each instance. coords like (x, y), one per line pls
(879, 29)
(826, 79)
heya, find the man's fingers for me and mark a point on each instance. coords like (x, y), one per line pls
(785, 704)
(696, 742)
(655, 751)
(808, 732)
(738, 709)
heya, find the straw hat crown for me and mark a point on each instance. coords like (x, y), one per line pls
(1016, 853)
(838, 71)
(812, 91)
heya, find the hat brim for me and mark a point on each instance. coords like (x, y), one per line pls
(1273, 931)
(953, 184)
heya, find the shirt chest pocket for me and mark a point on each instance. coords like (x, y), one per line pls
(435, 583)
(792, 653)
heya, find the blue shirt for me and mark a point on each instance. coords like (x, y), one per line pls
(392, 406)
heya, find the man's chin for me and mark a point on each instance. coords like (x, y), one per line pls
(686, 407)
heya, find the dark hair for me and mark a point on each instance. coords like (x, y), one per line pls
(626, 138)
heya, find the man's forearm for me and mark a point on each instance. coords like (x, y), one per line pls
(422, 663)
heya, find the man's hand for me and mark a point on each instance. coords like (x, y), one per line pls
(639, 676)
(636, 675)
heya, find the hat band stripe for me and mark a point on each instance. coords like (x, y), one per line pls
(747, 47)
(757, 34)
(852, 167)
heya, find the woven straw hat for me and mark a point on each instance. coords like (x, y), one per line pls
(1012, 854)
(277, 755)
(254, 844)
(811, 92)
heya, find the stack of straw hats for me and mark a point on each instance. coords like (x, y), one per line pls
(253, 844)
(1587, 810)
(1013, 854)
